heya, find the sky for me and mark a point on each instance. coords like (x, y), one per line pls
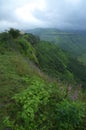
(28, 14)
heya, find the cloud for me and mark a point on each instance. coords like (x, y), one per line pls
(25, 14)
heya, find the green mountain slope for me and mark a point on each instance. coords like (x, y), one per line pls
(60, 64)
(53, 61)
(73, 42)
(29, 99)
(82, 58)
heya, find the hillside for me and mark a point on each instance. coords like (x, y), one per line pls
(82, 58)
(59, 64)
(73, 42)
(31, 95)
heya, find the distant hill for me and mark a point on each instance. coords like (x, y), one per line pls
(72, 41)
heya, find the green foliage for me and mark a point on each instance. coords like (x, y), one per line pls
(79, 70)
(82, 58)
(73, 42)
(31, 38)
(20, 45)
(54, 61)
(14, 69)
(6, 43)
(42, 107)
(59, 64)
(69, 115)
(29, 100)
(27, 108)
(14, 32)
(26, 48)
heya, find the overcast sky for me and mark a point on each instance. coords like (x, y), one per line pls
(27, 14)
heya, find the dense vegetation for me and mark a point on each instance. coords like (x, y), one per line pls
(82, 58)
(31, 100)
(43, 107)
(60, 64)
(73, 42)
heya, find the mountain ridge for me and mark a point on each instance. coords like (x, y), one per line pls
(28, 94)
(71, 41)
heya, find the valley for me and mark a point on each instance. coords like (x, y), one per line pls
(74, 42)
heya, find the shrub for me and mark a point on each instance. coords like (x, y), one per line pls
(14, 32)
(44, 106)
(69, 115)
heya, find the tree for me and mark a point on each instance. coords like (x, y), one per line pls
(14, 32)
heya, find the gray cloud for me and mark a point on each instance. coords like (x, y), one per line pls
(25, 14)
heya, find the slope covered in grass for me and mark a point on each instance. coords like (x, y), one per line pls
(41, 106)
(16, 57)
(60, 64)
(82, 58)
(29, 99)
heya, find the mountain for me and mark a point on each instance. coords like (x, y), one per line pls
(59, 64)
(72, 41)
(40, 87)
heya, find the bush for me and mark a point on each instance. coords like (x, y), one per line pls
(26, 49)
(69, 115)
(42, 107)
(14, 32)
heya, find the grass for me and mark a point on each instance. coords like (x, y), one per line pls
(19, 73)
(13, 69)
(82, 59)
